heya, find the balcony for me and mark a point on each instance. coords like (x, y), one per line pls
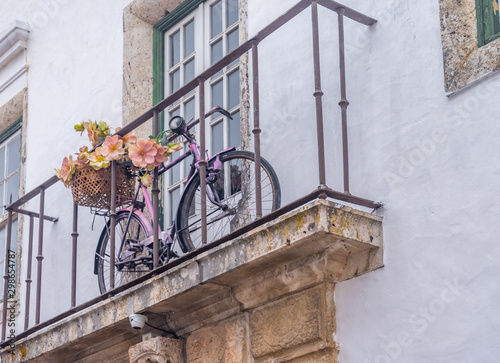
(254, 279)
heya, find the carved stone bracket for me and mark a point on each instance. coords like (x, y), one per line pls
(157, 350)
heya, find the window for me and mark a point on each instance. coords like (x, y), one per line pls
(10, 146)
(190, 39)
(488, 21)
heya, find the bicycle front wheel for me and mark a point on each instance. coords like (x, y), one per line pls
(130, 262)
(234, 185)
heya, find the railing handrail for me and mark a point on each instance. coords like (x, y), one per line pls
(238, 52)
(322, 192)
(33, 193)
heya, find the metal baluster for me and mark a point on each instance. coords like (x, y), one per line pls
(256, 127)
(39, 257)
(156, 204)
(112, 224)
(74, 235)
(28, 273)
(318, 94)
(343, 100)
(203, 163)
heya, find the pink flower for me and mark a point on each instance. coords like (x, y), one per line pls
(67, 170)
(160, 151)
(92, 132)
(112, 148)
(83, 157)
(143, 153)
(128, 139)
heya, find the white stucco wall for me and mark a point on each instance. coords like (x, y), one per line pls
(75, 54)
(432, 160)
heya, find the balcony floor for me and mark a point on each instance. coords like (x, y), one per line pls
(317, 243)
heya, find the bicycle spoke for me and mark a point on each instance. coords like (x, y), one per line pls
(129, 264)
(235, 186)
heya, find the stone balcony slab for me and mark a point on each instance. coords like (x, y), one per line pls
(321, 242)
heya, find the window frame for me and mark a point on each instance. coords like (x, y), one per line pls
(7, 135)
(159, 31)
(171, 24)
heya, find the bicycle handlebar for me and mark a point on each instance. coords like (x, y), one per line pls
(197, 121)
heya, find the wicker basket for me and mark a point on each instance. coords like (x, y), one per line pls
(92, 188)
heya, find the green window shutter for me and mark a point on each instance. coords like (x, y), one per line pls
(488, 21)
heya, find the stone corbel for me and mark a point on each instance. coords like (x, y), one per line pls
(157, 350)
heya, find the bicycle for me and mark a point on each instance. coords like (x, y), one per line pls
(230, 204)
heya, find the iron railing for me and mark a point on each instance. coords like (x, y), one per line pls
(322, 192)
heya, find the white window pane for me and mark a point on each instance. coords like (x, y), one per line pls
(12, 187)
(175, 172)
(189, 38)
(2, 163)
(189, 110)
(175, 48)
(234, 130)
(217, 95)
(216, 19)
(216, 51)
(187, 166)
(232, 44)
(217, 137)
(189, 71)
(232, 12)
(175, 112)
(235, 175)
(174, 202)
(2, 200)
(175, 81)
(13, 155)
(232, 40)
(234, 89)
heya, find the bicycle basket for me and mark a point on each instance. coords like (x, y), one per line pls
(92, 188)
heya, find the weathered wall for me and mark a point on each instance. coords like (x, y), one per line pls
(12, 110)
(464, 62)
(138, 20)
(297, 328)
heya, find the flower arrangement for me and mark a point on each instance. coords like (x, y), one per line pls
(143, 154)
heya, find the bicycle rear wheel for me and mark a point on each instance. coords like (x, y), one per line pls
(235, 186)
(129, 264)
